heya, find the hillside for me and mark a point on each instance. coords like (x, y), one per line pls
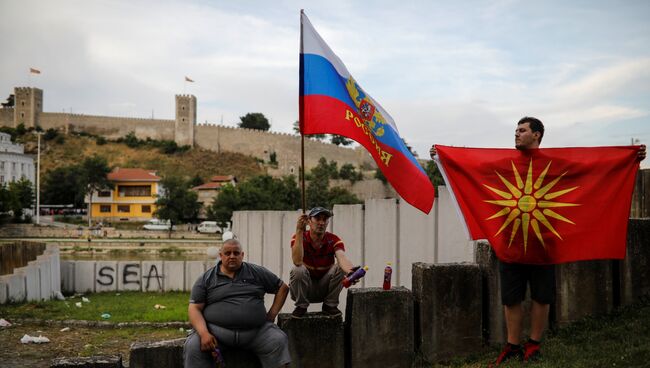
(196, 161)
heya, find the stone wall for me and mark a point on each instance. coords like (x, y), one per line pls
(31, 231)
(262, 144)
(108, 126)
(18, 254)
(7, 117)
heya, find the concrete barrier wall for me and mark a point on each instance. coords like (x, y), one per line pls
(34, 280)
(382, 230)
(149, 276)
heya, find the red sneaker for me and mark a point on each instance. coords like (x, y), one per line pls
(509, 351)
(531, 351)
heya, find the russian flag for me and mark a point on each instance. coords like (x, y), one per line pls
(332, 102)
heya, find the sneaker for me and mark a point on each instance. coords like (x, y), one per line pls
(331, 311)
(299, 312)
(531, 352)
(509, 351)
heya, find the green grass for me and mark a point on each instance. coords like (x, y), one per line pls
(620, 339)
(126, 307)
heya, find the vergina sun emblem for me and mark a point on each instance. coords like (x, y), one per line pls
(529, 204)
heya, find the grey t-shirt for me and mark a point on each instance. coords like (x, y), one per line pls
(237, 302)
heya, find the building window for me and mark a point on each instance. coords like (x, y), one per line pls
(2, 178)
(146, 208)
(123, 208)
(104, 193)
(105, 208)
(2, 165)
(22, 114)
(22, 103)
(135, 191)
(13, 166)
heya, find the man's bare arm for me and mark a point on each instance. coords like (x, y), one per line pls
(343, 261)
(278, 302)
(297, 251)
(195, 313)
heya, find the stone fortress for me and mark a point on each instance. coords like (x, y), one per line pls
(28, 110)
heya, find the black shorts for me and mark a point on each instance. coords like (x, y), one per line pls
(515, 278)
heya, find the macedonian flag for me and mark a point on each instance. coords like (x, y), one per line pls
(544, 206)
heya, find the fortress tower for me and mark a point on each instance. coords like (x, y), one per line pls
(185, 120)
(28, 104)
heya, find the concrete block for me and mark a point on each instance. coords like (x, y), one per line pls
(16, 292)
(45, 275)
(174, 272)
(129, 276)
(193, 270)
(160, 354)
(288, 229)
(55, 257)
(379, 328)
(109, 361)
(635, 268)
(494, 325)
(583, 288)
(67, 277)
(272, 241)
(106, 276)
(84, 276)
(4, 293)
(308, 337)
(32, 281)
(417, 239)
(152, 276)
(453, 244)
(347, 223)
(448, 304)
(380, 232)
(255, 237)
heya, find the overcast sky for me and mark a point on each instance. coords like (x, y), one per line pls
(449, 72)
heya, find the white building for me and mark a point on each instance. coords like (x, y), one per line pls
(14, 163)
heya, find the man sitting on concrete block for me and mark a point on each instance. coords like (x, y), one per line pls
(227, 310)
(316, 277)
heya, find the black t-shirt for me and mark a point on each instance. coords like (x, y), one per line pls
(237, 302)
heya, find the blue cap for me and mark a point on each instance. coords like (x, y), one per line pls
(318, 210)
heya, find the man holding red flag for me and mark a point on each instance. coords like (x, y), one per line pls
(535, 265)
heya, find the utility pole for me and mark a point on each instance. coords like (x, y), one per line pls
(38, 179)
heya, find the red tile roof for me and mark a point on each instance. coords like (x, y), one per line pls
(123, 174)
(209, 185)
(221, 178)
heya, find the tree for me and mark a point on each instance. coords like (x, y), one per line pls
(434, 174)
(21, 196)
(62, 186)
(254, 120)
(259, 193)
(195, 181)
(340, 140)
(349, 172)
(329, 170)
(94, 177)
(177, 202)
(415, 154)
(380, 175)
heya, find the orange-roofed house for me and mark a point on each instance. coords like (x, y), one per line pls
(208, 192)
(132, 198)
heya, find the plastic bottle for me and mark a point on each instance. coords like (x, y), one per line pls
(349, 280)
(388, 272)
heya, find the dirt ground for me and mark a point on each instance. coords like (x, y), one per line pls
(79, 341)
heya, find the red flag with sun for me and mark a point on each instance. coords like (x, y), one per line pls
(544, 206)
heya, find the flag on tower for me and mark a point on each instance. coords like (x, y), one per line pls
(332, 102)
(544, 206)
(34, 71)
(187, 79)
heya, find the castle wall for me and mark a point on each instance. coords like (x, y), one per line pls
(108, 126)
(7, 117)
(262, 144)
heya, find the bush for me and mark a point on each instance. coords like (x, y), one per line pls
(50, 134)
(59, 139)
(100, 141)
